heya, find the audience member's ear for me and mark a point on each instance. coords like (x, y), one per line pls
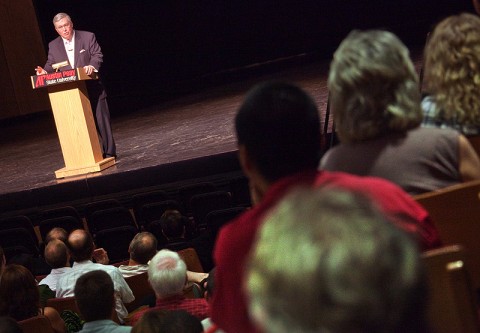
(245, 161)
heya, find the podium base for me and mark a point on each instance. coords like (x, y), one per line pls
(99, 166)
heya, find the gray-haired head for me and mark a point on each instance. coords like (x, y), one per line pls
(60, 16)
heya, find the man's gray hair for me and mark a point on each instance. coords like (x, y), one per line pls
(60, 16)
(167, 273)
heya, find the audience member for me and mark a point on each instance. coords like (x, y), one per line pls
(173, 225)
(56, 233)
(278, 131)
(58, 258)
(376, 105)
(452, 75)
(329, 261)
(9, 325)
(173, 228)
(167, 274)
(161, 321)
(180, 321)
(20, 299)
(150, 322)
(81, 248)
(94, 294)
(142, 248)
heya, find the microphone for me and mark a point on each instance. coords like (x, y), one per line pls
(59, 65)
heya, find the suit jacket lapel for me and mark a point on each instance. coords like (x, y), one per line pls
(62, 53)
(78, 48)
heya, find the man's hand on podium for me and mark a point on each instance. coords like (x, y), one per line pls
(40, 71)
(89, 69)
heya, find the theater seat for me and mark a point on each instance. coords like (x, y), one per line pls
(38, 324)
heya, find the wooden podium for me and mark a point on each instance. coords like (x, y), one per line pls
(74, 120)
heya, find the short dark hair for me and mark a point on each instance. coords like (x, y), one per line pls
(94, 295)
(56, 253)
(143, 247)
(279, 125)
(180, 321)
(81, 248)
(19, 296)
(150, 322)
(173, 224)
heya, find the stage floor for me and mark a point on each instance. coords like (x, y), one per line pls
(163, 145)
(184, 138)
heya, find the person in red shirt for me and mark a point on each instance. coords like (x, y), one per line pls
(167, 274)
(279, 142)
(327, 260)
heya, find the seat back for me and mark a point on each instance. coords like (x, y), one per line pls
(185, 193)
(116, 242)
(20, 221)
(16, 241)
(94, 206)
(190, 257)
(451, 306)
(218, 218)
(455, 210)
(141, 199)
(69, 223)
(140, 288)
(110, 218)
(475, 142)
(202, 204)
(60, 212)
(38, 324)
(63, 303)
(153, 211)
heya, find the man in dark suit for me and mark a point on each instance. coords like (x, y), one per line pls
(80, 49)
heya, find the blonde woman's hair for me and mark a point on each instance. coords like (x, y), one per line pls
(373, 86)
(452, 68)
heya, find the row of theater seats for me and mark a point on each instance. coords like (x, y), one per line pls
(114, 224)
(139, 285)
(454, 271)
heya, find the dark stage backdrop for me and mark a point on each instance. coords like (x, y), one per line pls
(165, 47)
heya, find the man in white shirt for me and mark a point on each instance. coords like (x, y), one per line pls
(82, 250)
(142, 248)
(57, 257)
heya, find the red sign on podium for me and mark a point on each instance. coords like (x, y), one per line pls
(51, 79)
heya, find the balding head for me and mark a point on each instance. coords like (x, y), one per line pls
(81, 245)
(143, 247)
(56, 233)
(56, 254)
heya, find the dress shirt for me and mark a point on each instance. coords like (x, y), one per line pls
(129, 271)
(70, 49)
(123, 293)
(104, 326)
(51, 279)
